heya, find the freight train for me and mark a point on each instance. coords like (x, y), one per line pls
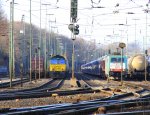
(137, 65)
(37, 65)
(107, 66)
(58, 67)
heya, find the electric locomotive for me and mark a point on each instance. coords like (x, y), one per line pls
(115, 64)
(58, 67)
(107, 66)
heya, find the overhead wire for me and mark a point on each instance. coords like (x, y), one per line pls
(53, 5)
(95, 2)
(134, 3)
(92, 18)
(27, 11)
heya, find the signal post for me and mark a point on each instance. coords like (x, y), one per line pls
(75, 31)
(122, 45)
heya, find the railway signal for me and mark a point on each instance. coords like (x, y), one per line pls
(73, 10)
(122, 45)
(145, 66)
(21, 71)
(74, 29)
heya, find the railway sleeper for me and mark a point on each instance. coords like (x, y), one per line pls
(136, 94)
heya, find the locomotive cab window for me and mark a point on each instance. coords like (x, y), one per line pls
(117, 60)
(53, 61)
(113, 59)
(61, 61)
(57, 61)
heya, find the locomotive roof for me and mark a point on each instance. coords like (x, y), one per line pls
(57, 56)
(102, 58)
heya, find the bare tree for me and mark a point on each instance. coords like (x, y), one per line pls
(3, 32)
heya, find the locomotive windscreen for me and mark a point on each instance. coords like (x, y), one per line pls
(57, 61)
(117, 59)
(53, 61)
(61, 61)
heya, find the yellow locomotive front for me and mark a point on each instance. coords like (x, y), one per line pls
(58, 67)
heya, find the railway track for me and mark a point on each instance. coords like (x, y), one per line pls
(111, 84)
(32, 93)
(45, 90)
(85, 80)
(85, 107)
(112, 103)
(14, 83)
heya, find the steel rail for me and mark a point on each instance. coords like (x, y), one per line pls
(44, 94)
(144, 112)
(79, 108)
(31, 89)
(14, 83)
(41, 88)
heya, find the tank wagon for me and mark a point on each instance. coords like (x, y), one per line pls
(109, 65)
(137, 65)
(58, 67)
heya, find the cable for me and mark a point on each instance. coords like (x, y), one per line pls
(95, 2)
(15, 8)
(135, 3)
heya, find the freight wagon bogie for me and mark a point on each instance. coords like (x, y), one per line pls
(59, 75)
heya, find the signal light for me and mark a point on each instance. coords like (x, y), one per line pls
(74, 10)
(74, 29)
(146, 52)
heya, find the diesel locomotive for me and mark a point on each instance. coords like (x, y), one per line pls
(58, 67)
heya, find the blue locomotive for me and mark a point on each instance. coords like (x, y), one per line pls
(3, 70)
(4, 66)
(58, 67)
(107, 66)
